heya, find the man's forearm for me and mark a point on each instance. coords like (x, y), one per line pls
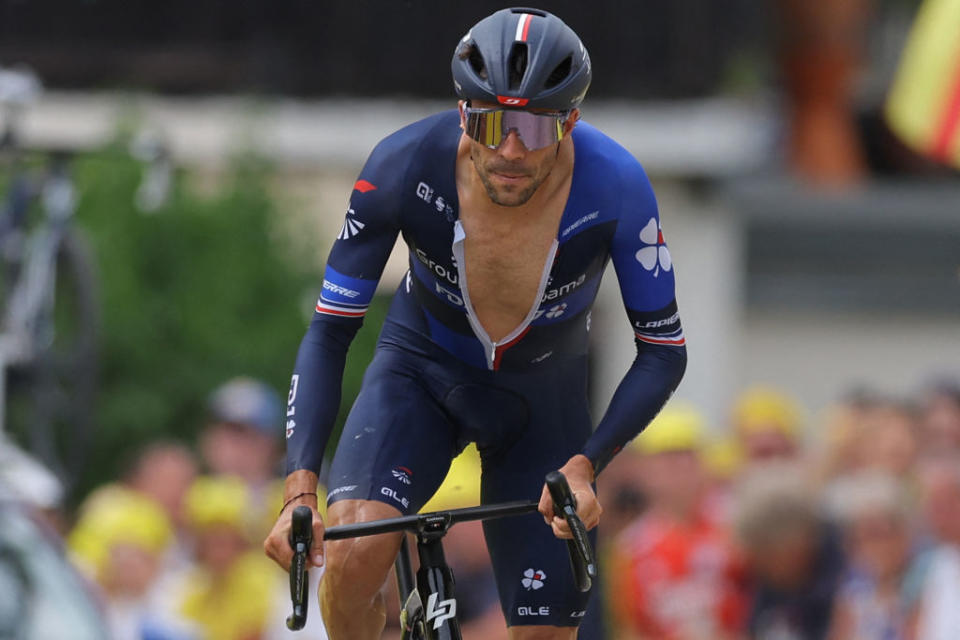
(651, 380)
(315, 391)
(300, 487)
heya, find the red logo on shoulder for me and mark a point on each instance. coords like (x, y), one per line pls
(363, 186)
(513, 102)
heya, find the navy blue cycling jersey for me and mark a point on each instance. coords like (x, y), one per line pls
(408, 186)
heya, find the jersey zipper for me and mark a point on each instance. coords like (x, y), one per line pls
(494, 350)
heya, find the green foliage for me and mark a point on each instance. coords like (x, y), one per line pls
(193, 294)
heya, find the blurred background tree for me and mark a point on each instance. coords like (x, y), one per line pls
(203, 289)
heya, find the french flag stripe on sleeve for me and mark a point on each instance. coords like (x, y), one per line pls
(337, 310)
(676, 339)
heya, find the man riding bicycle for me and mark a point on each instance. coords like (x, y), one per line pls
(511, 210)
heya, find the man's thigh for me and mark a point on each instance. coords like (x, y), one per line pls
(397, 443)
(532, 569)
(531, 565)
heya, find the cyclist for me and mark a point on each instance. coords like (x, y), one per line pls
(511, 209)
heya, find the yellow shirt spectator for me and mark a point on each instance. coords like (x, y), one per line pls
(236, 605)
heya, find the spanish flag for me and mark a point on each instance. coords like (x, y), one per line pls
(923, 107)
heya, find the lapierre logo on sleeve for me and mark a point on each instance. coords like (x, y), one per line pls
(343, 291)
(658, 324)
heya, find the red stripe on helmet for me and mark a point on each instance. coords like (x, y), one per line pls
(526, 26)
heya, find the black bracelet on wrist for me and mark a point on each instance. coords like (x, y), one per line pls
(299, 495)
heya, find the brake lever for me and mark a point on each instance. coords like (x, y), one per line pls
(582, 560)
(301, 537)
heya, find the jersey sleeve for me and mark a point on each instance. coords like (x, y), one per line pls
(350, 279)
(646, 275)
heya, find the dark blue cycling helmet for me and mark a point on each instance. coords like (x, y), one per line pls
(522, 58)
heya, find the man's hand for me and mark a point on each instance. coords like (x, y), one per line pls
(579, 473)
(277, 545)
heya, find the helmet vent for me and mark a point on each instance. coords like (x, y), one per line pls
(559, 73)
(476, 62)
(518, 64)
(536, 12)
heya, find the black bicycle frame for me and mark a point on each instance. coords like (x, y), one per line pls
(435, 580)
(434, 577)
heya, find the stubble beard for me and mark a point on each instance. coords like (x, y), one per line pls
(505, 196)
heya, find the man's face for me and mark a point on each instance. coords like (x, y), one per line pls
(942, 503)
(768, 444)
(240, 450)
(511, 173)
(879, 543)
(673, 478)
(785, 563)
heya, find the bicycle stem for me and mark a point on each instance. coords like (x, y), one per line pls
(435, 580)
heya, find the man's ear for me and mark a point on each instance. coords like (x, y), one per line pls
(571, 121)
(461, 106)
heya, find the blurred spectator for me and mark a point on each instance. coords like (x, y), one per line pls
(842, 435)
(768, 424)
(889, 440)
(243, 439)
(822, 44)
(793, 553)
(940, 418)
(939, 614)
(231, 594)
(881, 436)
(119, 541)
(620, 491)
(875, 598)
(723, 460)
(675, 571)
(164, 471)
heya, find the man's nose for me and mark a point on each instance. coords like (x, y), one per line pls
(512, 147)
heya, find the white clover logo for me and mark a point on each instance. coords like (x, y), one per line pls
(557, 310)
(533, 579)
(656, 256)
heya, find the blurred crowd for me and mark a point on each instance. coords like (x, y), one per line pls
(777, 526)
(173, 548)
(846, 526)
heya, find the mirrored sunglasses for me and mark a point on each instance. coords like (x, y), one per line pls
(490, 127)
